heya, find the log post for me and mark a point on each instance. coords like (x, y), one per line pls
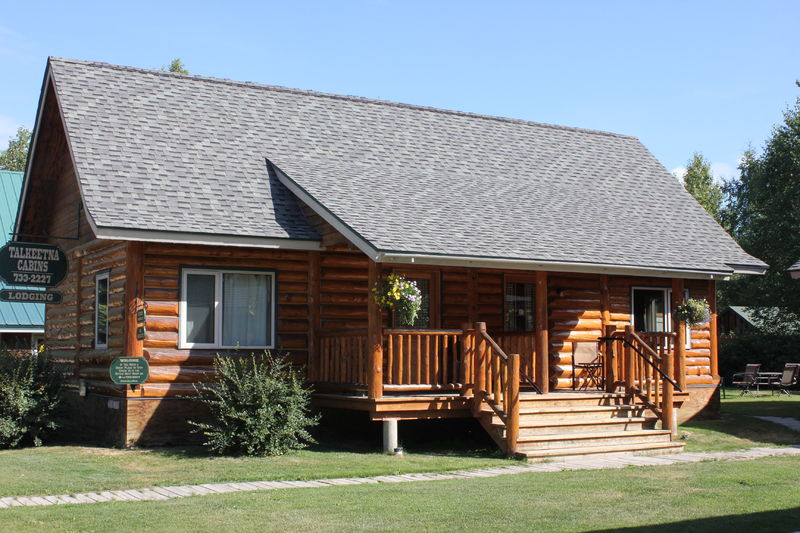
(609, 361)
(667, 404)
(468, 359)
(712, 328)
(479, 356)
(314, 271)
(512, 401)
(134, 294)
(374, 337)
(679, 327)
(542, 340)
(629, 362)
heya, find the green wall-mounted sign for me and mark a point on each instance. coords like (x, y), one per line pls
(129, 370)
(32, 264)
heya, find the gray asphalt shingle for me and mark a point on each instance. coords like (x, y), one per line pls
(160, 151)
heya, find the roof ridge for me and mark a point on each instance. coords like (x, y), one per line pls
(334, 96)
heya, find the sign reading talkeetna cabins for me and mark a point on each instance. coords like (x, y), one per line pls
(32, 264)
(129, 370)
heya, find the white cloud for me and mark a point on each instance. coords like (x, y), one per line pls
(679, 173)
(723, 171)
(8, 129)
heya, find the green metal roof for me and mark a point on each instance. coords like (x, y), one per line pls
(15, 316)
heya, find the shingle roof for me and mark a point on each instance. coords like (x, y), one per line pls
(14, 316)
(160, 151)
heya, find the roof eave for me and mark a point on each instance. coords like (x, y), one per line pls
(208, 239)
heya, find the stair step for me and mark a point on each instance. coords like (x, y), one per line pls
(618, 449)
(570, 426)
(561, 399)
(574, 440)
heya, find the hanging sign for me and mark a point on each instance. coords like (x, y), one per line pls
(141, 333)
(140, 316)
(129, 370)
(30, 296)
(32, 264)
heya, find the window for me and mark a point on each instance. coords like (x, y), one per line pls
(519, 306)
(101, 310)
(227, 309)
(651, 311)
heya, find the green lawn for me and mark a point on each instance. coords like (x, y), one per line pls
(737, 429)
(761, 495)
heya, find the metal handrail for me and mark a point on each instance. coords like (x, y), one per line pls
(643, 356)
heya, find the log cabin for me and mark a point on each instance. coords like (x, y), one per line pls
(259, 217)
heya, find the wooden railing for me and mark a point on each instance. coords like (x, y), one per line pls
(642, 363)
(525, 345)
(341, 358)
(423, 360)
(496, 381)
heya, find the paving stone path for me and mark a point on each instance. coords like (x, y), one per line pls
(582, 463)
(791, 423)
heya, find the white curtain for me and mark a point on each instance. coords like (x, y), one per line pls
(246, 310)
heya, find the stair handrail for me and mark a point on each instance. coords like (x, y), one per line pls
(497, 384)
(662, 401)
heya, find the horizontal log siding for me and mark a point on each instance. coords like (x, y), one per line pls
(173, 370)
(69, 326)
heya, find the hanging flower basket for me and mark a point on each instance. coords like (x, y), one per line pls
(402, 295)
(693, 311)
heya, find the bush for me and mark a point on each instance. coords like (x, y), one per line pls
(259, 406)
(30, 393)
(773, 351)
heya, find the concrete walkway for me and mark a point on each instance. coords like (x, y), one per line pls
(583, 463)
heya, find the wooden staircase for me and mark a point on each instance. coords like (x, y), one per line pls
(569, 424)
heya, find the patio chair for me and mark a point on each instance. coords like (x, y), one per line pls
(586, 357)
(748, 379)
(787, 379)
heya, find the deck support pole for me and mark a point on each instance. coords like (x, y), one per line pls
(712, 329)
(374, 338)
(679, 327)
(668, 417)
(479, 356)
(390, 436)
(542, 340)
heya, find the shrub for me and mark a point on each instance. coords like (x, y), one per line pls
(30, 393)
(259, 406)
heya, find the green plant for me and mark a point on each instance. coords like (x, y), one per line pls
(259, 406)
(693, 311)
(30, 393)
(402, 295)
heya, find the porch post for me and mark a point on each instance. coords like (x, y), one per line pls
(609, 359)
(374, 337)
(479, 358)
(134, 277)
(679, 327)
(313, 314)
(542, 341)
(712, 328)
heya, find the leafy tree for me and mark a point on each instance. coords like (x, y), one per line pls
(16, 155)
(699, 182)
(763, 214)
(176, 66)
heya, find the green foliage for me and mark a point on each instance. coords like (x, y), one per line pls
(175, 66)
(402, 295)
(30, 393)
(693, 311)
(16, 155)
(699, 182)
(259, 406)
(763, 214)
(772, 350)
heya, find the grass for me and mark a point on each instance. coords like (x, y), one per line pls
(761, 495)
(737, 428)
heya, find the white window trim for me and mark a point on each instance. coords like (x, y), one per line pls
(667, 308)
(218, 274)
(97, 278)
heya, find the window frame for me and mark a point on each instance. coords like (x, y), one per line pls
(218, 273)
(667, 308)
(102, 275)
(518, 278)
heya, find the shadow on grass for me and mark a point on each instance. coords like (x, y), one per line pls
(780, 520)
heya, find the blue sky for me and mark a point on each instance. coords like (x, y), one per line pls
(712, 77)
